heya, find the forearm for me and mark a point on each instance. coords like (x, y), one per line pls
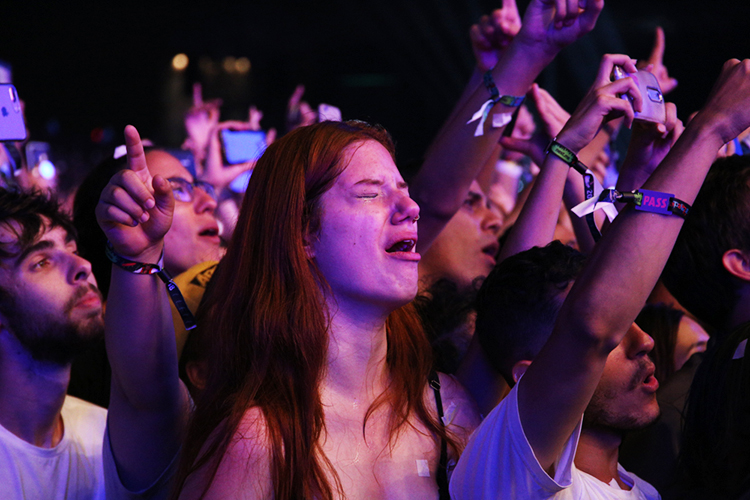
(456, 157)
(536, 223)
(140, 340)
(628, 260)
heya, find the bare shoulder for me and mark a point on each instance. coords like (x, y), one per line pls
(244, 471)
(460, 409)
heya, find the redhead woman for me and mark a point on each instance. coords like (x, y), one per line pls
(319, 380)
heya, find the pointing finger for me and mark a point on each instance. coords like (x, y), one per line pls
(657, 53)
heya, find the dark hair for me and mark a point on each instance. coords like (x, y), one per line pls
(719, 221)
(661, 322)
(446, 312)
(270, 328)
(518, 303)
(715, 440)
(32, 211)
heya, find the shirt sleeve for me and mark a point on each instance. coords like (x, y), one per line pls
(114, 488)
(498, 461)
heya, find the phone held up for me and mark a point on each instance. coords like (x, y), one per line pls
(12, 127)
(653, 100)
(241, 146)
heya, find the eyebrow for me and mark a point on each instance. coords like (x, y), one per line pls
(37, 247)
(376, 182)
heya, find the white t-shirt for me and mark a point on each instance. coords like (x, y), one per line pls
(499, 463)
(70, 470)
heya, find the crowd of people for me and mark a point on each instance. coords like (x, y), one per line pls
(524, 317)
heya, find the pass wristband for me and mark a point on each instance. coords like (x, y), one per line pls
(142, 268)
(501, 119)
(643, 199)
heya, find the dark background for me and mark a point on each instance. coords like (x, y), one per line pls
(85, 71)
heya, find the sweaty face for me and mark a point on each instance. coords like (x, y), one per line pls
(366, 243)
(50, 301)
(466, 248)
(194, 235)
(625, 398)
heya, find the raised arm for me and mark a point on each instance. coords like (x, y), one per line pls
(620, 273)
(457, 155)
(148, 403)
(536, 222)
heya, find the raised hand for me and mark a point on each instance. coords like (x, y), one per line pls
(727, 110)
(553, 118)
(601, 103)
(298, 112)
(200, 120)
(135, 209)
(550, 25)
(655, 63)
(493, 33)
(649, 144)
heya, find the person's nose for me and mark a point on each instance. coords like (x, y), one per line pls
(202, 201)
(406, 209)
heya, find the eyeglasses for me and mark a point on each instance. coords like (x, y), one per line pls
(183, 190)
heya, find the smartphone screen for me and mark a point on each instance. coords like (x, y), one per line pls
(12, 127)
(243, 145)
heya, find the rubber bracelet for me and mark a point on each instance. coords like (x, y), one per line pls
(142, 268)
(566, 156)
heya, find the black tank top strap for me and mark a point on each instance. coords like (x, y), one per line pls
(442, 472)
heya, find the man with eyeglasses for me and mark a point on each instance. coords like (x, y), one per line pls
(192, 247)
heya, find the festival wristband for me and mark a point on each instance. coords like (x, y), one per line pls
(566, 156)
(591, 186)
(142, 268)
(500, 119)
(643, 199)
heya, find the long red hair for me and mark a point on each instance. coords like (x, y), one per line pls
(269, 327)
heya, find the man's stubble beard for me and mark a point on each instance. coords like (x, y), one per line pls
(56, 340)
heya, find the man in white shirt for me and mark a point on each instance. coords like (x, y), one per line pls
(50, 308)
(595, 359)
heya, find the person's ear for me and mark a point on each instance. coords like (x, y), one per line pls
(196, 372)
(737, 263)
(307, 241)
(519, 369)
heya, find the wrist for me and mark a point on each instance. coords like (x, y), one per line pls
(713, 131)
(151, 255)
(518, 66)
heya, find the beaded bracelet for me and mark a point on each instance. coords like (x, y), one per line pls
(142, 268)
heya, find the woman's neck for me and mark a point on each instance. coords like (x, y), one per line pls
(357, 349)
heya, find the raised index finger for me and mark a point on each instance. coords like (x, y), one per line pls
(197, 95)
(657, 53)
(136, 156)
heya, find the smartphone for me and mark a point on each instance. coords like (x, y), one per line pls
(653, 100)
(12, 126)
(326, 112)
(241, 146)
